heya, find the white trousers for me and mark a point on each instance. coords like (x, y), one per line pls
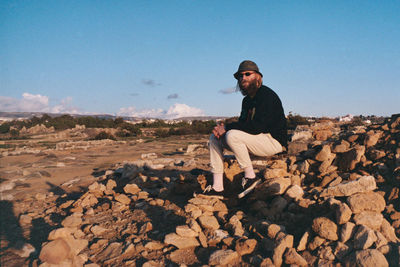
(241, 144)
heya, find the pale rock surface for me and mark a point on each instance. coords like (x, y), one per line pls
(208, 222)
(181, 242)
(325, 228)
(347, 231)
(223, 257)
(370, 257)
(364, 237)
(362, 184)
(368, 201)
(370, 219)
(292, 257)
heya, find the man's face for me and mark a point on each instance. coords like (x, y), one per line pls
(247, 81)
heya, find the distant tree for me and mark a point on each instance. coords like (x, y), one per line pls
(104, 135)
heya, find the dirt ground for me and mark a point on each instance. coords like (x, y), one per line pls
(49, 169)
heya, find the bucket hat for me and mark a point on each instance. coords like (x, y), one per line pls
(247, 65)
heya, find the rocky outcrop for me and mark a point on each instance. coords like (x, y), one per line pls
(334, 204)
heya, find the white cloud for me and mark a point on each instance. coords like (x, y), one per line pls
(228, 91)
(183, 110)
(175, 111)
(35, 103)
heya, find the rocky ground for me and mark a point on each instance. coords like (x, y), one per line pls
(333, 200)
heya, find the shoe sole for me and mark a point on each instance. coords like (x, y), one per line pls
(248, 190)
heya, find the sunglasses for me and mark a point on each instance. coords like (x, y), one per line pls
(240, 75)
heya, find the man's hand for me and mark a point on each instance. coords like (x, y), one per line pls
(219, 130)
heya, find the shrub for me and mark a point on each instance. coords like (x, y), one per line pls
(104, 135)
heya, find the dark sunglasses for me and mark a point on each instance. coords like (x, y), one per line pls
(240, 75)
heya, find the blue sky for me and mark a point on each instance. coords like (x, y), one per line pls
(176, 58)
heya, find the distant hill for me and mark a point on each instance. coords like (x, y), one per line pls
(28, 115)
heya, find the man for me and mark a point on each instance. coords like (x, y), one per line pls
(260, 130)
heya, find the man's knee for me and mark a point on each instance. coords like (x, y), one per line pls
(233, 136)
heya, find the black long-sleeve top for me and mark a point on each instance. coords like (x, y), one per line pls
(262, 114)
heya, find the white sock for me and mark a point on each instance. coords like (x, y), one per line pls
(218, 182)
(249, 172)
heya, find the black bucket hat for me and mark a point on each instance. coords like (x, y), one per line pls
(247, 65)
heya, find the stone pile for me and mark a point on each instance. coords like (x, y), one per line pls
(335, 204)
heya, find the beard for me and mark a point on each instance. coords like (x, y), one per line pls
(248, 87)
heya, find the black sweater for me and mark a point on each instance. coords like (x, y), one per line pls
(262, 114)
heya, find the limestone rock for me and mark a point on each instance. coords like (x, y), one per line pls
(349, 159)
(245, 246)
(185, 231)
(347, 231)
(368, 201)
(131, 189)
(223, 257)
(364, 237)
(55, 251)
(325, 228)
(209, 222)
(360, 185)
(181, 242)
(370, 257)
(370, 219)
(281, 244)
(292, 257)
(324, 154)
(343, 213)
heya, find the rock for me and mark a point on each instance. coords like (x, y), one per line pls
(185, 231)
(184, 256)
(208, 222)
(380, 240)
(113, 250)
(60, 233)
(122, 198)
(372, 138)
(292, 257)
(316, 243)
(349, 159)
(368, 201)
(274, 229)
(223, 257)
(281, 244)
(181, 242)
(360, 185)
(294, 192)
(97, 230)
(388, 231)
(132, 189)
(72, 221)
(274, 173)
(154, 245)
(370, 219)
(325, 228)
(55, 251)
(149, 156)
(341, 147)
(341, 251)
(347, 231)
(111, 184)
(245, 246)
(273, 187)
(370, 257)
(324, 154)
(25, 219)
(236, 226)
(303, 241)
(364, 237)
(343, 213)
